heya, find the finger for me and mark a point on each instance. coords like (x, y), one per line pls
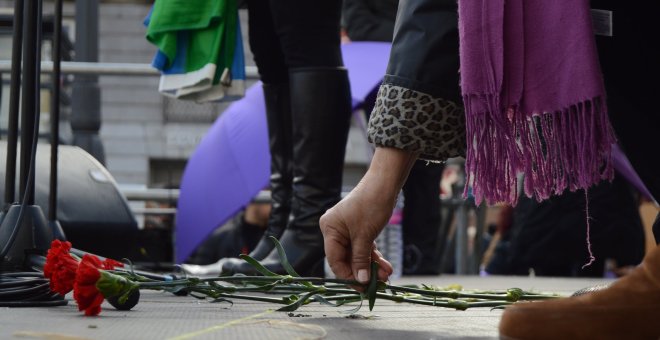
(385, 268)
(338, 257)
(383, 262)
(339, 261)
(361, 259)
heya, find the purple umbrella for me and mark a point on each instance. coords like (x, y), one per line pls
(228, 168)
(366, 62)
(232, 162)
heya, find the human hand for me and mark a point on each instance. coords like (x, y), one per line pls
(350, 227)
(349, 230)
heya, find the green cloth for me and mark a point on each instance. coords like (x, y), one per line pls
(208, 27)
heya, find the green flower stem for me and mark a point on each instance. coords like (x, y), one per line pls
(453, 294)
(456, 304)
(344, 298)
(253, 298)
(176, 283)
(457, 294)
(215, 294)
(325, 290)
(538, 297)
(282, 278)
(488, 304)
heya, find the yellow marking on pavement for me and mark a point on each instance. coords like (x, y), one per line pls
(219, 327)
(47, 335)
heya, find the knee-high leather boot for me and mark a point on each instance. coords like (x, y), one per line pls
(278, 115)
(628, 309)
(320, 108)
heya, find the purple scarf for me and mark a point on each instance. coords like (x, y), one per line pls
(534, 98)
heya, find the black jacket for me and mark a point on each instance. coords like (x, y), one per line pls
(424, 54)
(369, 20)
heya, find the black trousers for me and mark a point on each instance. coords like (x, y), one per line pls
(287, 34)
(422, 219)
(549, 236)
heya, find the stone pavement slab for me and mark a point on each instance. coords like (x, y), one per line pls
(165, 316)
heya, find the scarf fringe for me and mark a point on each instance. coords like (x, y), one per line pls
(555, 151)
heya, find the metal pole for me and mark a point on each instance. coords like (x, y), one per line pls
(55, 111)
(29, 100)
(86, 106)
(110, 69)
(14, 98)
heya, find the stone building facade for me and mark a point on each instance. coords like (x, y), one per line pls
(147, 137)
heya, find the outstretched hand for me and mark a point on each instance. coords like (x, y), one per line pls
(351, 227)
(349, 230)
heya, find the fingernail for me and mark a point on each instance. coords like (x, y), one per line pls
(363, 276)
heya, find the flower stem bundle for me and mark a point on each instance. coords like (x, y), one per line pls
(93, 280)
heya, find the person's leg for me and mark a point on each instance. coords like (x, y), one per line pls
(421, 219)
(265, 44)
(309, 32)
(274, 75)
(549, 236)
(320, 107)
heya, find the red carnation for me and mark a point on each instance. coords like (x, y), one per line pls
(60, 268)
(88, 297)
(110, 264)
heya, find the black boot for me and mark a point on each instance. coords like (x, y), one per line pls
(321, 109)
(278, 113)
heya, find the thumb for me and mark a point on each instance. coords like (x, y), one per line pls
(361, 259)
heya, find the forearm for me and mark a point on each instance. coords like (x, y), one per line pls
(387, 173)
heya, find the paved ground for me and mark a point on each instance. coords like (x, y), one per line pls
(165, 316)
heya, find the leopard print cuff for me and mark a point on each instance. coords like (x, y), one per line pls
(415, 121)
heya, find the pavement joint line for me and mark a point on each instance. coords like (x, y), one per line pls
(219, 327)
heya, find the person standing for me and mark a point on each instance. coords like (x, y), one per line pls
(296, 47)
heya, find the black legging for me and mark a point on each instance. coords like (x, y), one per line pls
(287, 34)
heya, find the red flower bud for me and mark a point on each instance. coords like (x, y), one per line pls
(110, 264)
(60, 267)
(93, 284)
(88, 297)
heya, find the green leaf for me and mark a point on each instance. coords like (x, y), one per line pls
(285, 262)
(339, 303)
(354, 310)
(260, 268)
(323, 301)
(299, 302)
(372, 289)
(197, 296)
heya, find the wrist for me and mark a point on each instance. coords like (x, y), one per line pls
(386, 175)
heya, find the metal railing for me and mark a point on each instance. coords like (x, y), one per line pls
(169, 195)
(117, 69)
